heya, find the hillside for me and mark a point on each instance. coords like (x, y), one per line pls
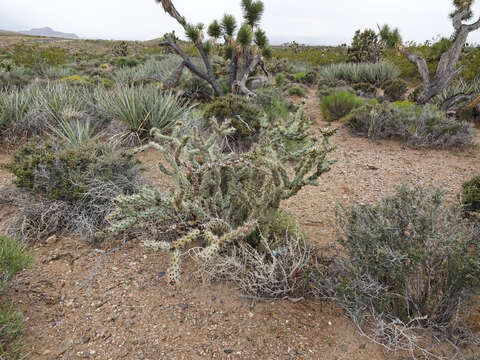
(49, 32)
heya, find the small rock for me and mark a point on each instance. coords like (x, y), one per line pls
(207, 344)
(183, 306)
(161, 273)
(52, 239)
(46, 352)
(228, 351)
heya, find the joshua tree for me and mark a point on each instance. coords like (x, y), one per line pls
(447, 69)
(244, 49)
(366, 47)
(390, 37)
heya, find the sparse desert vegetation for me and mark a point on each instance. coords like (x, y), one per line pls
(220, 197)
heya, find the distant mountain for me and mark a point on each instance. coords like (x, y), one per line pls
(49, 32)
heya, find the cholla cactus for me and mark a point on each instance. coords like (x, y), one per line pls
(120, 49)
(218, 198)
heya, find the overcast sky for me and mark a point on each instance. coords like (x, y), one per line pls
(318, 22)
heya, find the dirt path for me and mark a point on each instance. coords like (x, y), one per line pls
(367, 170)
(128, 311)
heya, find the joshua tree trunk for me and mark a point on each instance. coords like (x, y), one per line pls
(447, 69)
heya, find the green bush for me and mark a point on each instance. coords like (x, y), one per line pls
(13, 259)
(196, 89)
(339, 104)
(365, 89)
(300, 77)
(61, 172)
(395, 89)
(313, 55)
(244, 116)
(124, 61)
(296, 91)
(418, 126)
(11, 333)
(411, 260)
(280, 80)
(471, 195)
(63, 188)
(33, 56)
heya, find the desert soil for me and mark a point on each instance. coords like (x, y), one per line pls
(128, 311)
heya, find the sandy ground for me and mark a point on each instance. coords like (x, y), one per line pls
(128, 311)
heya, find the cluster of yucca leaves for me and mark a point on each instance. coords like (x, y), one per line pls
(142, 108)
(374, 74)
(219, 199)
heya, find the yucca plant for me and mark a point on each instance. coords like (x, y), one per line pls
(374, 74)
(14, 105)
(73, 132)
(57, 101)
(142, 108)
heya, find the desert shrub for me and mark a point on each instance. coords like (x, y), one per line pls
(374, 74)
(365, 89)
(414, 95)
(300, 76)
(11, 334)
(314, 55)
(411, 262)
(296, 91)
(272, 102)
(418, 126)
(195, 89)
(220, 199)
(244, 116)
(13, 259)
(471, 195)
(141, 108)
(266, 274)
(276, 66)
(63, 188)
(280, 80)
(75, 80)
(33, 56)
(339, 104)
(124, 61)
(395, 89)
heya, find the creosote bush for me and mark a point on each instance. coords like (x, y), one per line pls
(471, 195)
(62, 188)
(411, 262)
(244, 115)
(418, 126)
(365, 89)
(339, 104)
(395, 89)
